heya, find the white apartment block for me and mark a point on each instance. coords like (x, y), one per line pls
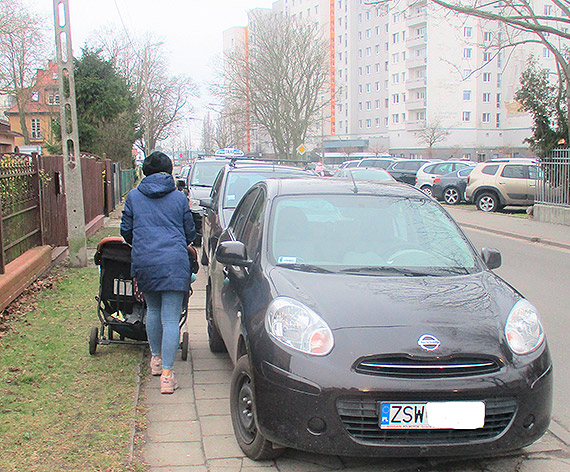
(400, 69)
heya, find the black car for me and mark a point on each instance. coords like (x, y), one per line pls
(451, 187)
(355, 328)
(405, 170)
(232, 181)
(197, 185)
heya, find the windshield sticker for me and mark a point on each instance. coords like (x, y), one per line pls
(287, 260)
(231, 197)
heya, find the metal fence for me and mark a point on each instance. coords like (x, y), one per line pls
(553, 183)
(20, 208)
(128, 179)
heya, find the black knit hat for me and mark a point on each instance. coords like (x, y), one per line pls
(157, 162)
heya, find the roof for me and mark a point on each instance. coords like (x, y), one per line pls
(315, 186)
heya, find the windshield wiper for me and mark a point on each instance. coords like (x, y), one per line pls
(306, 268)
(386, 270)
(199, 185)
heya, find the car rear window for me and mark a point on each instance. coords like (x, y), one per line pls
(204, 172)
(240, 182)
(490, 170)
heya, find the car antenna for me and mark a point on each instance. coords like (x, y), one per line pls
(355, 189)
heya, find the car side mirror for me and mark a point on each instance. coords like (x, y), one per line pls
(232, 253)
(491, 257)
(206, 203)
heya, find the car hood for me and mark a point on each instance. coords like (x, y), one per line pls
(467, 308)
(199, 192)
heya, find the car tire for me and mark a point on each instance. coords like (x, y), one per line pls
(215, 341)
(451, 196)
(487, 201)
(243, 411)
(426, 189)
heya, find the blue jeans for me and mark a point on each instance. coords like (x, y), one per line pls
(162, 324)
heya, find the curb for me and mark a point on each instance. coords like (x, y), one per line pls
(523, 237)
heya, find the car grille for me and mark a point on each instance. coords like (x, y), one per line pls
(360, 418)
(407, 366)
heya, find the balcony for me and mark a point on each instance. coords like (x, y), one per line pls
(418, 104)
(416, 19)
(418, 61)
(415, 125)
(418, 41)
(416, 83)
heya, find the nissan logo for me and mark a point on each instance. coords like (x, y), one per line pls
(428, 342)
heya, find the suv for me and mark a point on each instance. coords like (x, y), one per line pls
(501, 182)
(428, 172)
(232, 182)
(405, 170)
(196, 183)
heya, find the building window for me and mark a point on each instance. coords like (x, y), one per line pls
(395, 98)
(360, 124)
(395, 78)
(486, 117)
(368, 123)
(395, 118)
(36, 132)
(360, 105)
(466, 116)
(377, 122)
(467, 31)
(377, 103)
(396, 38)
(53, 99)
(486, 56)
(467, 53)
(486, 97)
(466, 95)
(395, 58)
(498, 121)
(499, 79)
(486, 77)
(498, 100)
(487, 36)
(466, 73)
(35, 96)
(369, 105)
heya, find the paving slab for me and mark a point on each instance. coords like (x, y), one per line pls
(174, 431)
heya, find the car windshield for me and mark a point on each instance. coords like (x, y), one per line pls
(205, 172)
(367, 235)
(241, 181)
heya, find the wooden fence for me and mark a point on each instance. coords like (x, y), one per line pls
(31, 217)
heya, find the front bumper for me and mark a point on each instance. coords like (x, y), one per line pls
(295, 412)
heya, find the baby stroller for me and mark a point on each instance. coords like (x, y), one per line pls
(121, 307)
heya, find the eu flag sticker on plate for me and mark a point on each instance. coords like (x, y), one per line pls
(287, 260)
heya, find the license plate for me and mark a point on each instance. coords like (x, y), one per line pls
(432, 415)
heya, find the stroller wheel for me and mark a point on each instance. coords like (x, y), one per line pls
(184, 346)
(110, 333)
(93, 340)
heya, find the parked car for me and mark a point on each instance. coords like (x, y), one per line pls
(381, 162)
(451, 187)
(232, 181)
(181, 176)
(428, 172)
(401, 343)
(364, 173)
(405, 170)
(500, 182)
(197, 182)
(351, 163)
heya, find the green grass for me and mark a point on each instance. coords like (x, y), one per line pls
(60, 408)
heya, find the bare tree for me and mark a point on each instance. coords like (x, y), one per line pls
(208, 142)
(434, 133)
(23, 50)
(277, 81)
(163, 98)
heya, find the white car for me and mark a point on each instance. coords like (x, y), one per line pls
(428, 172)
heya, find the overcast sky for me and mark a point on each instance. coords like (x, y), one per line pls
(192, 29)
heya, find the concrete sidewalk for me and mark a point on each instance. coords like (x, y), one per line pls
(191, 430)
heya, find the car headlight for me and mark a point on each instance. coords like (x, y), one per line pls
(297, 326)
(523, 329)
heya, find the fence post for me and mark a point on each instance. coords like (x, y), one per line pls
(37, 183)
(1, 241)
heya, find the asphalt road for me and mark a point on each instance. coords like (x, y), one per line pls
(542, 274)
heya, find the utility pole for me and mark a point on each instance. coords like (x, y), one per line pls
(76, 241)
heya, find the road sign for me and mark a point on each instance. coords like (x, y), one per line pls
(229, 152)
(302, 149)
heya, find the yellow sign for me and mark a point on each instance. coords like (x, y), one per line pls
(302, 149)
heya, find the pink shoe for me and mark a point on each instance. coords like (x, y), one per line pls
(155, 365)
(168, 384)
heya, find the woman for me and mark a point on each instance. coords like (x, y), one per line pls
(158, 223)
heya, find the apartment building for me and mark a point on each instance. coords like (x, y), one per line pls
(401, 68)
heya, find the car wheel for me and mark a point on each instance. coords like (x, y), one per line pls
(215, 341)
(451, 196)
(427, 190)
(243, 411)
(487, 201)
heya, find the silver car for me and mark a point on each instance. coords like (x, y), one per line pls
(428, 172)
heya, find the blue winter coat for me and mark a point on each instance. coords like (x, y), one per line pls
(158, 223)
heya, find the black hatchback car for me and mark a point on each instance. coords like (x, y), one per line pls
(405, 170)
(356, 328)
(451, 187)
